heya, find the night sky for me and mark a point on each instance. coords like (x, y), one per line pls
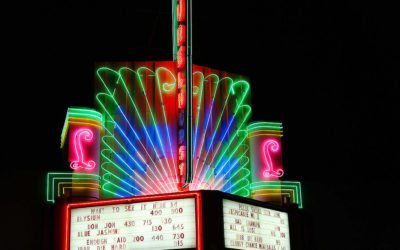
(329, 70)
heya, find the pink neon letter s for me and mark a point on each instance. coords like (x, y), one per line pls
(82, 135)
(267, 147)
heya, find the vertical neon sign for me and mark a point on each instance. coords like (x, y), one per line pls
(182, 43)
(82, 127)
(266, 160)
(265, 150)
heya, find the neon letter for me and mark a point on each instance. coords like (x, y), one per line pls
(181, 80)
(181, 35)
(181, 166)
(182, 99)
(182, 153)
(268, 146)
(181, 12)
(80, 136)
(181, 57)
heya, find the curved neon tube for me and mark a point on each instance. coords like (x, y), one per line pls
(81, 135)
(267, 147)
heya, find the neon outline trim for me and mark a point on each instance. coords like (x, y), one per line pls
(295, 185)
(198, 211)
(54, 177)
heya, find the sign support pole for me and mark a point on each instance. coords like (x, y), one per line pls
(182, 55)
(189, 93)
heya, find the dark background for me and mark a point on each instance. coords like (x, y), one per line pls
(329, 70)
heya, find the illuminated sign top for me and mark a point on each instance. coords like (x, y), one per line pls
(254, 227)
(158, 224)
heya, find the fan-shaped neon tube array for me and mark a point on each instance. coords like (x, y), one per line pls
(139, 148)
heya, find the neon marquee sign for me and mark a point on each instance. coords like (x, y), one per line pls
(182, 80)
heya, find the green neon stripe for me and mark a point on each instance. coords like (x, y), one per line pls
(67, 176)
(244, 93)
(79, 113)
(89, 113)
(54, 176)
(243, 187)
(279, 184)
(62, 185)
(255, 128)
(265, 126)
(107, 179)
(290, 192)
(118, 187)
(86, 116)
(276, 124)
(174, 30)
